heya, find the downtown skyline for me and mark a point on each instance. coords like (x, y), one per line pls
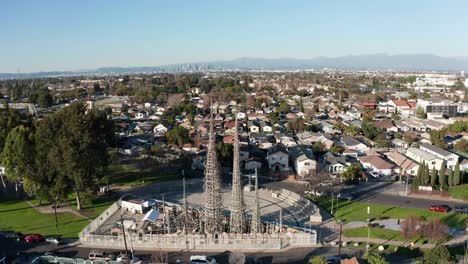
(60, 36)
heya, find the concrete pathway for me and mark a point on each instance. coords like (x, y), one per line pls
(46, 209)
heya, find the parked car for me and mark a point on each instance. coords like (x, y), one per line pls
(332, 260)
(326, 183)
(34, 238)
(374, 174)
(346, 196)
(354, 181)
(54, 240)
(123, 258)
(15, 235)
(201, 259)
(461, 210)
(314, 193)
(100, 255)
(440, 208)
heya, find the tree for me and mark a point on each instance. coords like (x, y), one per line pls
(426, 176)
(434, 177)
(450, 178)
(17, 155)
(351, 130)
(96, 88)
(44, 98)
(81, 154)
(353, 171)
(442, 180)
(283, 108)
(178, 135)
(370, 130)
(420, 113)
(462, 145)
(376, 259)
(225, 152)
(437, 255)
(409, 227)
(319, 148)
(457, 174)
(336, 149)
(435, 230)
(420, 174)
(318, 260)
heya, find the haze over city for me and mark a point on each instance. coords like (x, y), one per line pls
(58, 36)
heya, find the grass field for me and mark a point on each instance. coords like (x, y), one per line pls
(123, 174)
(17, 215)
(355, 211)
(459, 192)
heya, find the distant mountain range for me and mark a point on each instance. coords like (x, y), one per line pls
(406, 62)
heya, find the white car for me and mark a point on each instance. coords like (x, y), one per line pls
(314, 193)
(123, 258)
(201, 259)
(374, 174)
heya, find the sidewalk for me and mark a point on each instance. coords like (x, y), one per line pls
(46, 209)
(433, 197)
(386, 242)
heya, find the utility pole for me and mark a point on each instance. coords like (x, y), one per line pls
(406, 187)
(368, 228)
(339, 241)
(124, 237)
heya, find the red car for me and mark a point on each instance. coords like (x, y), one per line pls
(439, 208)
(33, 238)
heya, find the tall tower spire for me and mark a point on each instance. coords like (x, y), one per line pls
(212, 186)
(255, 224)
(237, 221)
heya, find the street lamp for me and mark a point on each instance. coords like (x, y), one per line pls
(332, 205)
(368, 228)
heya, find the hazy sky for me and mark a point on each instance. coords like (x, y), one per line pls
(44, 35)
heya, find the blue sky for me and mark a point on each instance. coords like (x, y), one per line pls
(68, 35)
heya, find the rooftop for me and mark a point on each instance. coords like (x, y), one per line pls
(425, 155)
(436, 149)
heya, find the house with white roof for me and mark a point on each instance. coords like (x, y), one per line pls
(450, 158)
(421, 156)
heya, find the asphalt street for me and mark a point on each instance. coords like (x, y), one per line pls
(387, 193)
(294, 256)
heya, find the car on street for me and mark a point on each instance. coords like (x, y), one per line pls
(374, 174)
(440, 208)
(15, 235)
(34, 238)
(196, 259)
(461, 210)
(123, 258)
(100, 255)
(346, 196)
(54, 240)
(332, 260)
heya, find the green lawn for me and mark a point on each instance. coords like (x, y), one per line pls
(459, 192)
(379, 233)
(17, 215)
(124, 174)
(356, 211)
(92, 208)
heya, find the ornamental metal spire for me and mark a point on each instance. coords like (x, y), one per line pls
(212, 186)
(237, 221)
(255, 224)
